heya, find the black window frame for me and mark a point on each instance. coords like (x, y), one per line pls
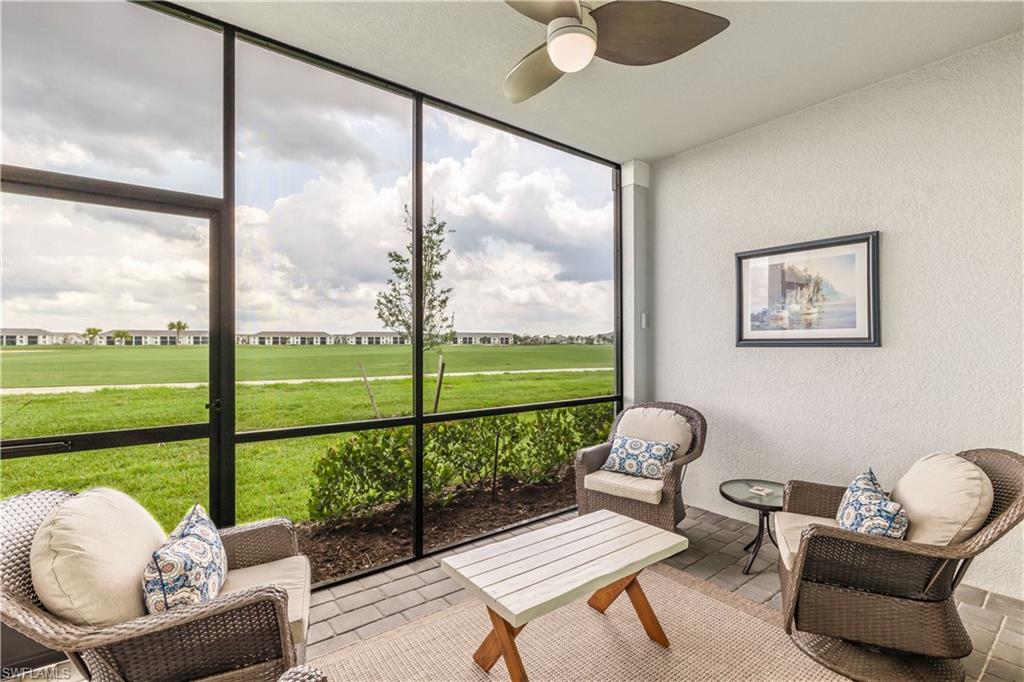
(221, 430)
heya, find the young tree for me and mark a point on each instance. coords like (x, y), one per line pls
(92, 333)
(177, 326)
(122, 336)
(394, 304)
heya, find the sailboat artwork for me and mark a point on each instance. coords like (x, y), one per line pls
(816, 293)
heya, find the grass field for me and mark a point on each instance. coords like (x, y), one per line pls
(282, 405)
(273, 478)
(105, 365)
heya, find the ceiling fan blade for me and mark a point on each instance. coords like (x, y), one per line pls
(546, 10)
(533, 73)
(641, 32)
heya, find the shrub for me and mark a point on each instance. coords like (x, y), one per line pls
(594, 422)
(547, 450)
(370, 468)
(361, 471)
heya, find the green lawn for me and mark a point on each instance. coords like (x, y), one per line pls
(282, 405)
(104, 365)
(273, 478)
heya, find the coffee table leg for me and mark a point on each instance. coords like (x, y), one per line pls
(490, 649)
(604, 597)
(501, 642)
(647, 618)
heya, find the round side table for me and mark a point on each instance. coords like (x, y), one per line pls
(738, 492)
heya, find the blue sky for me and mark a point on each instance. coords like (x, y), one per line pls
(121, 92)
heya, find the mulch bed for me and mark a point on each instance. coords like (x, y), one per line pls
(338, 550)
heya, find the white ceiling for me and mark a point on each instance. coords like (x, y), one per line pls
(775, 58)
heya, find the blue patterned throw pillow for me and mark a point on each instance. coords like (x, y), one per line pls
(636, 457)
(187, 569)
(866, 509)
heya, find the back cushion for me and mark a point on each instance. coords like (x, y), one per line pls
(946, 497)
(656, 424)
(88, 557)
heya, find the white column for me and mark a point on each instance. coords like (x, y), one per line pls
(636, 182)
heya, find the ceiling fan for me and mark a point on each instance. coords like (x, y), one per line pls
(631, 32)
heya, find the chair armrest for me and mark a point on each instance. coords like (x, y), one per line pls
(671, 481)
(258, 543)
(589, 460)
(875, 563)
(251, 610)
(813, 499)
(302, 673)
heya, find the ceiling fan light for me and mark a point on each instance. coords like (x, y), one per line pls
(572, 43)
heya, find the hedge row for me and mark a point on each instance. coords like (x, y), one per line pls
(371, 468)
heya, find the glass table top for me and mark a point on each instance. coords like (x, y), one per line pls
(738, 491)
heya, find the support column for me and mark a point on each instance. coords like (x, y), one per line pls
(636, 321)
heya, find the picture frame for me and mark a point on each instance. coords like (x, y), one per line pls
(816, 293)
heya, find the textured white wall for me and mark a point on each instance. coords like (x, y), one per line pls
(932, 159)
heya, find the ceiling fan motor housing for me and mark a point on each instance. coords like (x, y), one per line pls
(572, 42)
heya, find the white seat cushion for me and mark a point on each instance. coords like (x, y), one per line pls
(657, 425)
(88, 556)
(788, 528)
(620, 485)
(291, 573)
(946, 497)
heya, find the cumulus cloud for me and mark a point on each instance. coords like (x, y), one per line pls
(323, 176)
(66, 267)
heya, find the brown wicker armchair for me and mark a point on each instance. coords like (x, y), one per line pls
(876, 608)
(244, 635)
(670, 510)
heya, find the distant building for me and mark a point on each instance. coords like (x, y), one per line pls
(154, 337)
(563, 339)
(276, 338)
(377, 339)
(32, 337)
(484, 338)
(164, 337)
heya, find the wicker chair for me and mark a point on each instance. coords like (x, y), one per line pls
(671, 510)
(244, 635)
(875, 608)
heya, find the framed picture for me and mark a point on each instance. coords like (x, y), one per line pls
(820, 293)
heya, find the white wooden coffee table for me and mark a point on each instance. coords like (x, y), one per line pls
(532, 574)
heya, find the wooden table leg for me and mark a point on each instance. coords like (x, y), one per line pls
(490, 649)
(604, 597)
(501, 642)
(647, 617)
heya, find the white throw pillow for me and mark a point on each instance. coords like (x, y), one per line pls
(88, 556)
(658, 425)
(946, 497)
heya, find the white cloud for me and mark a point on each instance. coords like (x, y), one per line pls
(66, 267)
(324, 169)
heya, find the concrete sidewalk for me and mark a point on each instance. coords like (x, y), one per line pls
(36, 390)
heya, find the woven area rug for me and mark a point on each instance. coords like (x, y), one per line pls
(715, 635)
